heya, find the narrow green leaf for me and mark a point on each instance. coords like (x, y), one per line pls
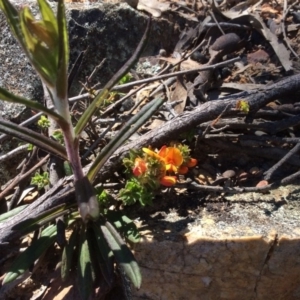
(31, 224)
(67, 255)
(94, 106)
(34, 138)
(85, 117)
(105, 255)
(36, 38)
(26, 21)
(9, 97)
(12, 213)
(124, 225)
(45, 63)
(63, 54)
(85, 270)
(48, 17)
(127, 130)
(13, 19)
(31, 254)
(122, 254)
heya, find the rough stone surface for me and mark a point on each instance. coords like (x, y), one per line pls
(247, 251)
(104, 30)
(113, 31)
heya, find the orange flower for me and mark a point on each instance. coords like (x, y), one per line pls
(140, 167)
(168, 180)
(171, 156)
(172, 161)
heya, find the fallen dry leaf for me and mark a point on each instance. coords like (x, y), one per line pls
(179, 94)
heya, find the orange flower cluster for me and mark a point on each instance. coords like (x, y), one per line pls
(171, 160)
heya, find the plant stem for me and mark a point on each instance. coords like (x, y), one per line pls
(72, 147)
(85, 194)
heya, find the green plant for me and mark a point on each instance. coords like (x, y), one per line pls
(148, 170)
(43, 122)
(94, 237)
(58, 136)
(41, 180)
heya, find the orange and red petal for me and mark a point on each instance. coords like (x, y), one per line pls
(183, 170)
(168, 180)
(174, 156)
(163, 151)
(192, 162)
(140, 167)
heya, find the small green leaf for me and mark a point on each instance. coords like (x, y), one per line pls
(67, 168)
(85, 268)
(31, 254)
(125, 79)
(57, 134)
(43, 122)
(67, 255)
(40, 180)
(122, 254)
(243, 106)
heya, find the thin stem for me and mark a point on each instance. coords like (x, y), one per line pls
(72, 147)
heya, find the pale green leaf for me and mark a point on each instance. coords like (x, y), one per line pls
(36, 39)
(86, 199)
(48, 17)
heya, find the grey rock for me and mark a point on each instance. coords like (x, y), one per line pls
(104, 30)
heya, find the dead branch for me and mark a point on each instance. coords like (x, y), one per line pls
(63, 191)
